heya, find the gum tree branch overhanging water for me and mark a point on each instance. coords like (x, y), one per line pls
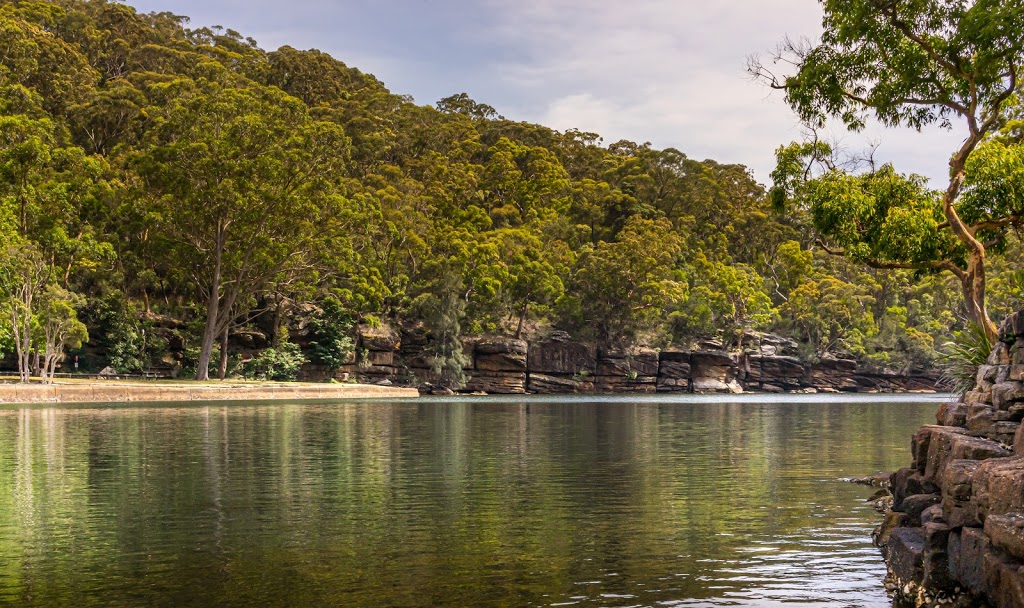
(911, 64)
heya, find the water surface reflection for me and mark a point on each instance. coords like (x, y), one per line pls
(487, 502)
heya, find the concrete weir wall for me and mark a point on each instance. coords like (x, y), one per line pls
(504, 365)
(955, 532)
(113, 392)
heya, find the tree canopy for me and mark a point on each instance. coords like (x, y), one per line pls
(912, 64)
(193, 199)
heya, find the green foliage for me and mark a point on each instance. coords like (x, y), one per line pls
(58, 327)
(619, 288)
(912, 64)
(961, 357)
(330, 333)
(442, 310)
(726, 300)
(280, 364)
(210, 184)
(830, 314)
(872, 49)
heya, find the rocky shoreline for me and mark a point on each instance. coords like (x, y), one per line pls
(955, 532)
(560, 365)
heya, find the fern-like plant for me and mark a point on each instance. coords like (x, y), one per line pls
(961, 358)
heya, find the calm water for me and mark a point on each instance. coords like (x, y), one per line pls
(539, 502)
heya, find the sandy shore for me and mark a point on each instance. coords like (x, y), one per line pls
(115, 391)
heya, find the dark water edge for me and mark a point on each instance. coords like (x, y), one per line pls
(588, 501)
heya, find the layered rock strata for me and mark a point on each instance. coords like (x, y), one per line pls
(955, 532)
(558, 364)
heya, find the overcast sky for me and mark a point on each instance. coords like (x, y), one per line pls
(666, 71)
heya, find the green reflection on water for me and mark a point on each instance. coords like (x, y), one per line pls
(447, 503)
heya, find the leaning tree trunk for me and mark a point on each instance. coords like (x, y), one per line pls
(973, 281)
(974, 284)
(212, 314)
(209, 336)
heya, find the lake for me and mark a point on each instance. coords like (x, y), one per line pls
(572, 501)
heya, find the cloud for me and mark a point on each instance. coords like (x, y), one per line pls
(672, 73)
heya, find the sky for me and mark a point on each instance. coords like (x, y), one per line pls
(671, 72)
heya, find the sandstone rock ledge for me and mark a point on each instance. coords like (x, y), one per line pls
(504, 365)
(115, 392)
(955, 534)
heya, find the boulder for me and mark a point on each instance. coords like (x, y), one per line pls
(1000, 355)
(498, 383)
(883, 533)
(952, 414)
(1012, 328)
(947, 445)
(785, 372)
(834, 373)
(915, 504)
(932, 515)
(998, 487)
(546, 384)
(935, 558)
(713, 372)
(1006, 394)
(979, 395)
(980, 417)
(908, 482)
(986, 375)
(1018, 441)
(921, 443)
(378, 338)
(562, 357)
(957, 492)
(1006, 532)
(967, 552)
(1014, 414)
(1002, 432)
(500, 354)
(1004, 581)
(904, 553)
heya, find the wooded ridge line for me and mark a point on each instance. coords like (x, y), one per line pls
(181, 199)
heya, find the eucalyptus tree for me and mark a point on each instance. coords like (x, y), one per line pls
(909, 63)
(619, 289)
(241, 175)
(59, 327)
(24, 275)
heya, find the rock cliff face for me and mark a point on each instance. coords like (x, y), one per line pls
(504, 365)
(956, 527)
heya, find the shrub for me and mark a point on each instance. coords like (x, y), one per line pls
(330, 332)
(280, 364)
(961, 358)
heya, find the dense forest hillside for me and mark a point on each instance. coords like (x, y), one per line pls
(170, 195)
